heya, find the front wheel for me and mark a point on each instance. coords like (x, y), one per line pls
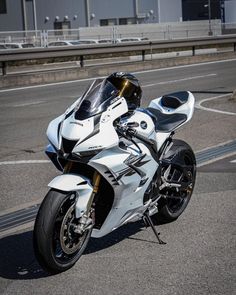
(57, 244)
(179, 166)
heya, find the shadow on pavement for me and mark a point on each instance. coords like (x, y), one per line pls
(17, 260)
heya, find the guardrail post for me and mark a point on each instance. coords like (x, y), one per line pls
(81, 58)
(150, 49)
(193, 50)
(143, 55)
(4, 68)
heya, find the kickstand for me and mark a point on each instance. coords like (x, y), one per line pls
(147, 220)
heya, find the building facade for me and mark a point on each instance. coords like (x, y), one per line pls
(25, 15)
(20, 15)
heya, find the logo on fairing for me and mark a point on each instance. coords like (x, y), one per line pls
(77, 123)
(143, 125)
(95, 147)
(114, 99)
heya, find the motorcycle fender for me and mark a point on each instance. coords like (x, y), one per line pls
(74, 183)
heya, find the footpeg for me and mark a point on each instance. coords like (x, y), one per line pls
(148, 221)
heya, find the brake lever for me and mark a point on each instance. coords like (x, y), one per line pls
(128, 133)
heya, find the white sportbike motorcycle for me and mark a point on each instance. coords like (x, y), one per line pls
(117, 166)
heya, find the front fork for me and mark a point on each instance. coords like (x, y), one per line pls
(96, 183)
(87, 220)
(87, 217)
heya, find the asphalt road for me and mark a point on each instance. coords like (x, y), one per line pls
(199, 257)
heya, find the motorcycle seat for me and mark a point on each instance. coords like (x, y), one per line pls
(174, 100)
(165, 122)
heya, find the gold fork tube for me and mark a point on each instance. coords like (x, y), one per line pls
(96, 182)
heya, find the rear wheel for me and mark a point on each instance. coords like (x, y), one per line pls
(179, 167)
(56, 243)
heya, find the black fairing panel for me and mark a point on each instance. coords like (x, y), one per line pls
(68, 145)
(178, 147)
(52, 155)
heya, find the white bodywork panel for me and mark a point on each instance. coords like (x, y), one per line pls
(74, 183)
(187, 108)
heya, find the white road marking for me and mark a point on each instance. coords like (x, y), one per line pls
(24, 162)
(216, 159)
(138, 72)
(185, 66)
(198, 105)
(26, 104)
(178, 80)
(214, 146)
(234, 161)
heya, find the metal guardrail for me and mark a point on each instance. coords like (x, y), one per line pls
(143, 47)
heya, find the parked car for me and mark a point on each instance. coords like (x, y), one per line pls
(88, 41)
(105, 41)
(16, 45)
(2, 46)
(130, 39)
(64, 43)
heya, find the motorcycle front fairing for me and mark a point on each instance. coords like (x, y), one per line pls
(70, 135)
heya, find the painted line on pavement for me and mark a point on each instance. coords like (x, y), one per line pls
(27, 104)
(178, 80)
(198, 105)
(24, 162)
(138, 72)
(185, 66)
(234, 161)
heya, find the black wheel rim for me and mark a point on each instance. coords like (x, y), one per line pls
(177, 199)
(68, 246)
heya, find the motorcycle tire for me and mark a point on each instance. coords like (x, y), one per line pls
(182, 160)
(57, 247)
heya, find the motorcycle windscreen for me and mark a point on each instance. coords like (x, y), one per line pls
(96, 99)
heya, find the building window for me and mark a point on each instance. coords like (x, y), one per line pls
(62, 27)
(127, 21)
(108, 22)
(3, 7)
(198, 9)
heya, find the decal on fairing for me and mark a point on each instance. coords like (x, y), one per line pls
(134, 162)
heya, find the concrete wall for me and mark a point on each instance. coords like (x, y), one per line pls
(170, 10)
(13, 19)
(230, 11)
(111, 9)
(52, 8)
(144, 7)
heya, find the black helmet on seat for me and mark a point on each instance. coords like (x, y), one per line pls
(129, 88)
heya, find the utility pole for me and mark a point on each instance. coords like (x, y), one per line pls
(25, 26)
(87, 8)
(209, 16)
(158, 11)
(35, 16)
(136, 10)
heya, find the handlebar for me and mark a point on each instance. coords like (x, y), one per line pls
(130, 133)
